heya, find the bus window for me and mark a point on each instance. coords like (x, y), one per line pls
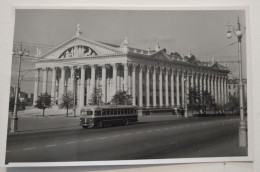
(114, 111)
(108, 111)
(122, 111)
(97, 112)
(104, 112)
(89, 112)
(125, 111)
(131, 111)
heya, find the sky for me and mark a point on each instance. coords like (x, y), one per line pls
(203, 33)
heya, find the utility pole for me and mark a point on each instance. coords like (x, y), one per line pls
(14, 118)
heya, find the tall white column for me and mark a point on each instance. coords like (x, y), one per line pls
(172, 88)
(204, 82)
(219, 90)
(154, 87)
(36, 86)
(178, 88)
(125, 77)
(166, 87)
(196, 78)
(148, 86)
(82, 86)
(45, 80)
(53, 84)
(192, 80)
(225, 90)
(114, 79)
(104, 83)
(160, 87)
(133, 82)
(93, 78)
(208, 85)
(216, 88)
(62, 82)
(72, 78)
(182, 88)
(212, 86)
(141, 86)
(201, 84)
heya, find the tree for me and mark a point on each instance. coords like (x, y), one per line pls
(43, 102)
(194, 98)
(207, 101)
(66, 102)
(96, 97)
(121, 98)
(233, 104)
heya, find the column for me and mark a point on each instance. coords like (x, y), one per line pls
(125, 77)
(141, 86)
(204, 82)
(72, 78)
(212, 86)
(36, 86)
(166, 88)
(201, 84)
(62, 82)
(192, 80)
(114, 79)
(225, 90)
(45, 80)
(196, 81)
(208, 85)
(93, 78)
(219, 89)
(216, 88)
(172, 88)
(148, 86)
(133, 82)
(82, 85)
(53, 83)
(182, 88)
(177, 88)
(160, 87)
(104, 83)
(154, 87)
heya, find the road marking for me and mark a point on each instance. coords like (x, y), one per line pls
(50, 145)
(102, 138)
(158, 130)
(70, 142)
(29, 148)
(126, 134)
(148, 131)
(87, 140)
(139, 132)
(116, 136)
(166, 128)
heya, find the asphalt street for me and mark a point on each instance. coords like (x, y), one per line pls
(188, 138)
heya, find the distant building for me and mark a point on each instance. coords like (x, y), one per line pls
(233, 87)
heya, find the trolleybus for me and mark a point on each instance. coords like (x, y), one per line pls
(101, 115)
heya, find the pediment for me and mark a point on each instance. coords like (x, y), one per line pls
(79, 47)
(161, 55)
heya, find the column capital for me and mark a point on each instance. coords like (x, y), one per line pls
(114, 65)
(104, 66)
(92, 66)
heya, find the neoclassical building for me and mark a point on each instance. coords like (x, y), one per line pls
(153, 77)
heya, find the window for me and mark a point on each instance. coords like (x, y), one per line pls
(97, 112)
(89, 112)
(234, 86)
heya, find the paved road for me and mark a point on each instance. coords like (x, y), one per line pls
(196, 137)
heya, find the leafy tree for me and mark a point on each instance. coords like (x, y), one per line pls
(43, 102)
(121, 98)
(66, 102)
(233, 104)
(96, 97)
(207, 101)
(194, 98)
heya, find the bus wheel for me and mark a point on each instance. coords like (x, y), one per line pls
(100, 124)
(84, 127)
(126, 122)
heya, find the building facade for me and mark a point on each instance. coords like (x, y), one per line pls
(233, 88)
(154, 78)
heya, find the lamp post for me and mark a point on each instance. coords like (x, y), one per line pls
(242, 128)
(14, 118)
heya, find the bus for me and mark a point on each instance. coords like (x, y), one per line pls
(101, 115)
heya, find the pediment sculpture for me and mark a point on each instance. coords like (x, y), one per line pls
(78, 51)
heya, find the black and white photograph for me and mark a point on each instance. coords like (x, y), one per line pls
(91, 85)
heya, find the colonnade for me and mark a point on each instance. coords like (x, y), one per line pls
(149, 86)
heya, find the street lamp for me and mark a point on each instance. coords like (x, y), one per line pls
(14, 118)
(242, 128)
